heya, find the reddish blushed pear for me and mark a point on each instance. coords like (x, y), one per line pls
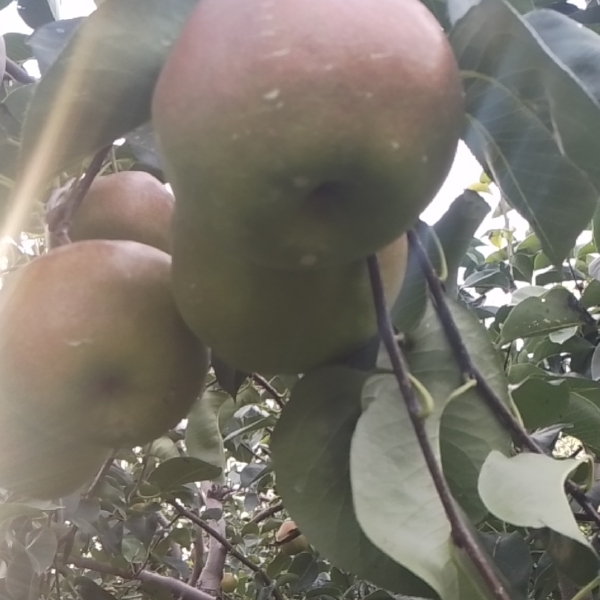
(307, 133)
(130, 205)
(92, 346)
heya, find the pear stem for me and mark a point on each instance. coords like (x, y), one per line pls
(59, 216)
(470, 371)
(461, 535)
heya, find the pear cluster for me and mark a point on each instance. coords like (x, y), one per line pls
(300, 137)
(94, 355)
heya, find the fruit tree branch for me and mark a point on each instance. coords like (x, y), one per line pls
(18, 73)
(470, 371)
(268, 512)
(198, 555)
(266, 385)
(177, 587)
(225, 542)
(99, 478)
(461, 535)
(212, 573)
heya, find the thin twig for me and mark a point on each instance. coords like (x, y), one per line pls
(266, 385)
(99, 478)
(225, 542)
(56, 580)
(157, 540)
(176, 551)
(18, 73)
(143, 472)
(177, 587)
(461, 534)
(268, 512)
(59, 218)
(69, 538)
(470, 371)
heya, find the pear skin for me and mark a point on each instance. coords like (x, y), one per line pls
(36, 465)
(130, 205)
(307, 133)
(277, 321)
(294, 546)
(92, 347)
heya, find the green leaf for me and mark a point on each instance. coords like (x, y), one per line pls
(471, 584)
(203, 437)
(396, 503)
(510, 553)
(305, 567)
(42, 549)
(554, 310)
(49, 41)
(531, 122)
(96, 91)
(20, 577)
(541, 403)
(469, 430)
(163, 448)
(132, 548)
(591, 294)
(595, 364)
(8, 511)
(583, 408)
(527, 490)
(90, 590)
(584, 414)
(455, 231)
(578, 48)
(179, 471)
(410, 305)
(228, 378)
(317, 424)
(16, 46)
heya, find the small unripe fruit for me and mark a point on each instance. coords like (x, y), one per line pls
(295, 545)
(229, 583)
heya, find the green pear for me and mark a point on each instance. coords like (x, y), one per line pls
(39, 466)
(92, 347)
(131, 205)
(307, 133)
(229, 583)
(274, 320)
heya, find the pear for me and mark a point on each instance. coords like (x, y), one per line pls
(307, 133)
(40, 466)
(277, 321)
(130, 205)
(229, 583)
(92, 347)
(297, 544)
